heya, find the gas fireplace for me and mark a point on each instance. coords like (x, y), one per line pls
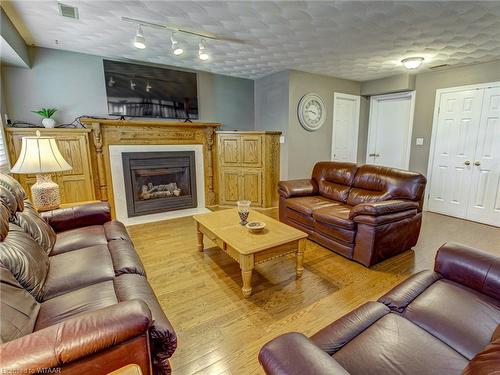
(159, 181)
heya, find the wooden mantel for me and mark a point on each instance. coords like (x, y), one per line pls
(106, 132)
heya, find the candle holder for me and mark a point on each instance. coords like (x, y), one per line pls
(243, 211)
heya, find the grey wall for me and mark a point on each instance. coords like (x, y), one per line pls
(12, 37)
(74, 83)
(397, 83)
(426, 86)
(271, 111)
(306, 148)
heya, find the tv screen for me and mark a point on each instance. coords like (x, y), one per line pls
(145, 91)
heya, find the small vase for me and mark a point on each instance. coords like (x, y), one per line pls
(48, 122)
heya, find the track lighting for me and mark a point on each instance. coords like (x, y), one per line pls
(175, 47)
(202, 53)
(132, 85)
(412, 62)
(139, 40)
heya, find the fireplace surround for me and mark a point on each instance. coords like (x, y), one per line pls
(159, 181)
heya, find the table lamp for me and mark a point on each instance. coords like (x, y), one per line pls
(41, 156)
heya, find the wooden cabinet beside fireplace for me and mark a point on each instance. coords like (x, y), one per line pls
(248, 164)
(75, 185)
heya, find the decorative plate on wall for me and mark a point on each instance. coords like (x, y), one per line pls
(311, 112)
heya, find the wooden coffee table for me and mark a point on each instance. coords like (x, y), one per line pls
(248, 249)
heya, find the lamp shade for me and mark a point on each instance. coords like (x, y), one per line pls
(40, 155)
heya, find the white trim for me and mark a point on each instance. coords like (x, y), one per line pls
(439, 92)
(372, 115)
(357, 99)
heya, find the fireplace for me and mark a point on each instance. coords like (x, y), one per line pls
(159, 181)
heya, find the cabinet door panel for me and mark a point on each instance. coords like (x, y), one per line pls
(229, 150)
(251, 186)
(251, 151)
(230, 186)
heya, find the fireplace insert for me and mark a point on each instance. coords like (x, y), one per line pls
(159, 181)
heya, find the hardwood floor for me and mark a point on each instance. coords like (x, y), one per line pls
(220, 332)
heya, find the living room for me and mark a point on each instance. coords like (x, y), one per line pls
(250, 187)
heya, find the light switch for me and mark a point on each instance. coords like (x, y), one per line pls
(419, 141)
(282, 139)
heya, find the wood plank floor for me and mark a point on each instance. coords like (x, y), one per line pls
(220, 332)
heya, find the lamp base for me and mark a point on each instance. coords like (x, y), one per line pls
(45, 193)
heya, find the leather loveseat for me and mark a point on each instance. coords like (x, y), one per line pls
(367, 213)
(74, 294)
(443, 322)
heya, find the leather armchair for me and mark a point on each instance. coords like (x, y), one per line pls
(445, 321)
(367, 213)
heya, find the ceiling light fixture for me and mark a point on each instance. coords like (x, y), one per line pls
(139, 40)
(412, 62)
(175, 47)
(202, 53)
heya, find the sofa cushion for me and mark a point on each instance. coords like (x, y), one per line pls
(8, 200)
(337, 215)
(461, 317)
(89, 236)
(77, 269)
(18, 308)
(336, 233)
(90, 298)
(306, 205)
(374, 183)
(15, 188)
(334, 179)
(30, 220)
(394, 345)
(25, 259)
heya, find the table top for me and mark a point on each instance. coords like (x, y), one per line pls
(225, 224)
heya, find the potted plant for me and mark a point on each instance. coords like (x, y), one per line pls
(47, 113)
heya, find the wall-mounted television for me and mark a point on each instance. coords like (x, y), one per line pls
(135, 90)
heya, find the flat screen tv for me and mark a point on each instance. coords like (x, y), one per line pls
(144, 91)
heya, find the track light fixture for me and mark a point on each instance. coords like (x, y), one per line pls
(139, 40)
(175, 46)
(202, 53)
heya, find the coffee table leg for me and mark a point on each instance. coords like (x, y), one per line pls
(246, 264)
(200, 237)
(300, 257)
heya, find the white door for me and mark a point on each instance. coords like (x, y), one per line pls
(484, 204)
(454, 145)
(390, 126)
(345, 127)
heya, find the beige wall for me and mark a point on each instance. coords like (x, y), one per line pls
(306, 148)
(426, 86)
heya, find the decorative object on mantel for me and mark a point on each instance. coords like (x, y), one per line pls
(311, 112)
(47, 113)
(41, 156)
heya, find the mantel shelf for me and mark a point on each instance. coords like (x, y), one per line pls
(195, 124)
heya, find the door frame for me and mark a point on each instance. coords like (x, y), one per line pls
(373, 111)
(435, 116)
(357, 99)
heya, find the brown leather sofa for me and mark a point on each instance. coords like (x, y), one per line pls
(367, 213)
(74, 294)
(444, 321)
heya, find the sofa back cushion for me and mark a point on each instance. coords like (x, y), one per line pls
(30, 220)
(25, 259)
(374, 183)
(334, 179)
(19, 309)
(15, 188)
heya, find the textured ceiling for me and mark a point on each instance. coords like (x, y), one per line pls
(358, 40)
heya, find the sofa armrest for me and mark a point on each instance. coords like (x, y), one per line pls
(62, 219)
(471, 267)
(382, 208)
(77, 337)
(295, 354)
(297, 188)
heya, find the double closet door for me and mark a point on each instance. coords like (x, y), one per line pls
(465, 167)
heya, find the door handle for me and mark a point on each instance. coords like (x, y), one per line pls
(374, 155)
(477, 163)
(467, 162)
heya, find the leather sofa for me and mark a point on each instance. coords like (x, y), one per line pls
(444, 321)
(367, 213)
(74, 293)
